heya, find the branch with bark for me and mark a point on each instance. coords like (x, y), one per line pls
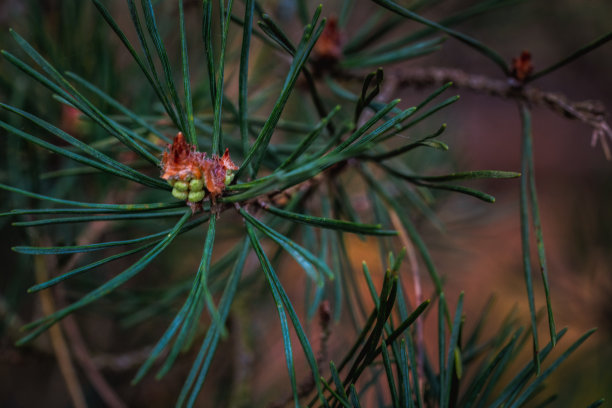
(590, 112)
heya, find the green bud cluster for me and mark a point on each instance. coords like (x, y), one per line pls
(192, 190)
(229, 177)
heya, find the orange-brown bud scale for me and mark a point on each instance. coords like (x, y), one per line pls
(182, 161)
(327, 51)
(329, 44)
(522, 66)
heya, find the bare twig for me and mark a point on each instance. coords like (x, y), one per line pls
(57, 339)
(92, 233)
(105, 391)
(122, 362)
(324, 320)
(592, 113)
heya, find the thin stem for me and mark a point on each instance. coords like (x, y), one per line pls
(58, 342)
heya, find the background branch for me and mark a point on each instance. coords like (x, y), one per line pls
(590, 112)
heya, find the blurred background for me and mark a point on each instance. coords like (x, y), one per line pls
(479, 251)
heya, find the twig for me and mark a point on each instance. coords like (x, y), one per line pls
(105, 391)
(13, 324)
(122, 362)
(92, 233)
(324, 320)
(114, 362)
(57, 339)
(592, 113)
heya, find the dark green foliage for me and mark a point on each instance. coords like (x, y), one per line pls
(291, 193)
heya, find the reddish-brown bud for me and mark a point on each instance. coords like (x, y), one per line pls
(522, 66)
(327, 50)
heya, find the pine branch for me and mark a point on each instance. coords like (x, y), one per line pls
(591, 112)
